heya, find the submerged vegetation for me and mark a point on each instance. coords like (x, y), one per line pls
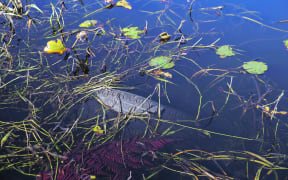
(66, 67)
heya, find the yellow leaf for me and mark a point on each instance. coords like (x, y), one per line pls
(55, 47)
(123, 3)
(279, 112)
(167, 74)
(29, 23)
(92, 177)
(158, 72)
(98, 130)
(283, 112)
(266, 108)
(4, 139)
(163, 74)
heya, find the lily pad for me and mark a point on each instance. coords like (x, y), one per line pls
(255, 67)
(55, 47)
(132, 32)
(286, 43)
(88, 23)
(162, 62)
(124, 3)
(224, 51)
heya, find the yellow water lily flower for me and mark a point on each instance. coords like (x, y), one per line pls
(55, 47)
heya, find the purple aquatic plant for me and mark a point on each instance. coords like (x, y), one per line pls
(112, 159)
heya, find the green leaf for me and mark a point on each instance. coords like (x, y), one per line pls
(132, 32)
(224, 51)
(55, 47)
(88, 23)
(162, 62)
(286, 43)
(255, 67)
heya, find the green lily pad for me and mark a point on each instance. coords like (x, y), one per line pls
(224, 51)
(132, 32)
(88, 23)
(286, 43)
(162, 62)
(255, 67)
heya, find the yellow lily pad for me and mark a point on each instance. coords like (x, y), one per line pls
(123, 3)
(55, 47)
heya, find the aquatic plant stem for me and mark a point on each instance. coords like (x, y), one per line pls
(197, 89)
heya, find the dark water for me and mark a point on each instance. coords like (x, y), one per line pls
(252, 28)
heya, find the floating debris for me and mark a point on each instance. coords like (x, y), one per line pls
(125, 102)
(164, 37)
